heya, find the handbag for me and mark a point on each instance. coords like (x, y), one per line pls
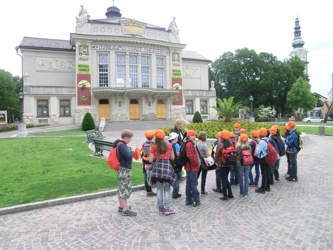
(153, 165)
(206, 163)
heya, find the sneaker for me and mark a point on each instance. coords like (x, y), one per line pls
(120, 209)
(286, 175)
(217, 190)
(277, 179)
(260, 191)
(292, 179)
(245, 196)
(267, 189)
(252, 184)
(189, 203)
(230, 196)
(224, 198)
(161, 210)
(177, 196)
(169, 211)
(129, 213)
(150, 194)
(204, 193)
(195, 204)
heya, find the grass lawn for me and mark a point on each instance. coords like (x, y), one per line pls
(41, 168)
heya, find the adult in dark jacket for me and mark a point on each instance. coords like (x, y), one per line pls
(178, 129)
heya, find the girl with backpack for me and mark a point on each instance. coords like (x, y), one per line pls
(244, 160)
(204, 152)
(162, 173)
(254, 144)
(223, 164)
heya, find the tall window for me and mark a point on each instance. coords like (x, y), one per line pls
(65, 108)
(203, 107)
(189, 107)
(103, 70)
(160, 68)
(145, 71)
(133, 60)
(121, 70)
(42, 108)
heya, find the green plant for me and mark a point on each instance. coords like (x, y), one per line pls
(227, 108)
(88, 122)
(197, 117)
(263, 114)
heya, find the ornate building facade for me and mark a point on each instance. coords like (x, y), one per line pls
(116, 68)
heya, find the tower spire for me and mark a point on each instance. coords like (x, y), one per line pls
(298, 40)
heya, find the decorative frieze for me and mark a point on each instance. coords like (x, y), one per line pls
(55, 64)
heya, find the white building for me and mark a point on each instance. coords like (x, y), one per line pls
(117, 68)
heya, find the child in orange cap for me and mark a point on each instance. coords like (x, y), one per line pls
(254, 144)
(233, 169)
(236, 130)
(243, 169)
(145, 152)
(292, 142)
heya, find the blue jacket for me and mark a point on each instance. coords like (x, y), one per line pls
(125, 154)
(292, 142)
(262, 148)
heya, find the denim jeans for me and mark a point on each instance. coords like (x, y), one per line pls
(218, 179)
(243, 178)
(293, 165)
(203, 179)
(233, 175)
(148, 188)
(192, 193)
(163, 195)
(256, 169)
(265, 174)
(226, 187)
(175, 190)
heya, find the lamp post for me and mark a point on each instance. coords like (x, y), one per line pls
(22, 128)
(251, 103)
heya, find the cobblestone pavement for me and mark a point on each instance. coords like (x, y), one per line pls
(291, 216)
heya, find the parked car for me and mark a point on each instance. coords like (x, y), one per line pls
(312, 119)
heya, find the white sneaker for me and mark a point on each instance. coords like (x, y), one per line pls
(286, 175)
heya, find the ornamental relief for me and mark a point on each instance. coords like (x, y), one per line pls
(55, 64)
(191, 72)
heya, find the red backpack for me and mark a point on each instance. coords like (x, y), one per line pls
(113, 160)
(246, 157)
(229, 154)
(272, 155)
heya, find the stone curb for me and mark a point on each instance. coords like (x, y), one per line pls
(60, 201)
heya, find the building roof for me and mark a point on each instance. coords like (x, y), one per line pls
(56, 44)
(45, 43)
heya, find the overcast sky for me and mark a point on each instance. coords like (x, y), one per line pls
(210, 27)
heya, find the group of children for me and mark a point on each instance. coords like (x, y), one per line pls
(162, 154)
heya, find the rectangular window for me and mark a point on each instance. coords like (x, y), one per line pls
(203, 107)
(42, 108)
(65, 108)
(189, 107)
(103, 70)
(121, 70)
(160, 68)
(145, 71)
(133, 68)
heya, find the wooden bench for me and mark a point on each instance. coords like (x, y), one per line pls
(101, 145)
(93, 134)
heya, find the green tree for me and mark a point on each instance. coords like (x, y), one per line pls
(226, 108)
(197, 117)
(319, 102)
(88, 122)
(300, 95)
(8, 94)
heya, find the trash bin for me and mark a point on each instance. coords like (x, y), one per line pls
(321, 130)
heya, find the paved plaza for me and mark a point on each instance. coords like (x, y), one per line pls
(291, 216)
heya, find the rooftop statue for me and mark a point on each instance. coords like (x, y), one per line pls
(83, 16)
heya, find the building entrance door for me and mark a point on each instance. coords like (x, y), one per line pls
(104, 109)
(134, 109)
(161, 109)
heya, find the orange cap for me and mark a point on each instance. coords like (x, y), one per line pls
(149, 135)
(254, 133)
(243, 138)
(273, 130)
(225, 134)
(160, 134)
(263, 132)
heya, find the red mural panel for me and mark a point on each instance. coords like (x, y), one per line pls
(177, 85)
(83, 90)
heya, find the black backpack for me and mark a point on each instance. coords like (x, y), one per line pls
(175, 161)
(281, 145)
(182, 159)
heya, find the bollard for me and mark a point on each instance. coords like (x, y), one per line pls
(321, 130)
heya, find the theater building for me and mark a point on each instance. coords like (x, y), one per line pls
(116, 68)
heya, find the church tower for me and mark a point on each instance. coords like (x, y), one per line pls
(298, 44)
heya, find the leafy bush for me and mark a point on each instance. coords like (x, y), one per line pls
(88, 122)
(197, 117)
(263, 114)
(8, 127)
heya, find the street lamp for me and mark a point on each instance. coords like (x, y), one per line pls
(22, 128)
(251, 102)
